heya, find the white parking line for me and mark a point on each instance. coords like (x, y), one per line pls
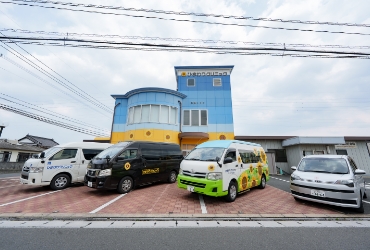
(29, 198)
(279, 179)
(368, 202)
(202, 204)
(107, 204)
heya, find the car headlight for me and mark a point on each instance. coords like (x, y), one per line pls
(348, 183)
(180, 171)
(294, 177)
(36, 169)
(105, 172)
(214, 176)
(89, 165)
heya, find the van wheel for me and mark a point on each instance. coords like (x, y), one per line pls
(125, 185)
(172, 177)
(60, 181)
(361, 208)
(263, 182)
(232, 192)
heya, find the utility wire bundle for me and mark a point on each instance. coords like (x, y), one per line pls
(145, 46)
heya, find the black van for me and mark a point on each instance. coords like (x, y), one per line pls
(128, 164)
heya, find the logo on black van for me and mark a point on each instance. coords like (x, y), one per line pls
(150, 171)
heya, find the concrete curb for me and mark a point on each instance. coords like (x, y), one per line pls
(180, 217)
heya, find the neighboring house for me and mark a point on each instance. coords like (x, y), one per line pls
(13, 155)
(37, 141)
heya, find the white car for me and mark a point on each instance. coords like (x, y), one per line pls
(329, 179)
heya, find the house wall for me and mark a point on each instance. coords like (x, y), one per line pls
(360, 155)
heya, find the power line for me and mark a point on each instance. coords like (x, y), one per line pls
(50, 84)
(41, 70)
(188, 20)
(183, 13)
(186, 48)
(186, 40)
(51, 121)
(53, 113)
(58, 75)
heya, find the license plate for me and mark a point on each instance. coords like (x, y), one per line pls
(190, 188)
(318, 193)
(89, 184)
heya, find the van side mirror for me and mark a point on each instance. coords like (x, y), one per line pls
(218, 161)
(359, 171)
(42, 155)
(228, 160)
(294, 168)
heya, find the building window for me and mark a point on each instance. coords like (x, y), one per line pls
(217, 82)
(152, 113)
(22, 157)
(280, 154)
(5, 156)
(186, 117)
(341, 152)
(191, 82)
(195, 118)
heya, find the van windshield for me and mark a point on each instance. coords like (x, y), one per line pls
(111, 151)
(324, 165)
(205, 154)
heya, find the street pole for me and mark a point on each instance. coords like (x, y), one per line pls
(1, 129)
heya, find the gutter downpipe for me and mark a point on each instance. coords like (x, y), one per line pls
(180, 128)
(111, 129)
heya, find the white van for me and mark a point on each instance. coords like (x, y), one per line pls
(61, 165)
(224, 168)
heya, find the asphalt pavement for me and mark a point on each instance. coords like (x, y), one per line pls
(214, 238)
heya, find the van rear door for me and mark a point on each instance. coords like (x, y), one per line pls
(171, 158)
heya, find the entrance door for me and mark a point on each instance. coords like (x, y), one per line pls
(271, 162)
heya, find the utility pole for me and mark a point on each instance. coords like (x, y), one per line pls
(2, 126)
(1, 129)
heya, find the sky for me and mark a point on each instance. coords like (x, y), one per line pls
(271, 95)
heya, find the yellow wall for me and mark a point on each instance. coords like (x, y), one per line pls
(158, 135)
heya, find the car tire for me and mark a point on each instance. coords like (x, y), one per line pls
(125, 185)
(232, 192)
(172, 177)
(60, 181)
(361, 208)
(263, 182)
